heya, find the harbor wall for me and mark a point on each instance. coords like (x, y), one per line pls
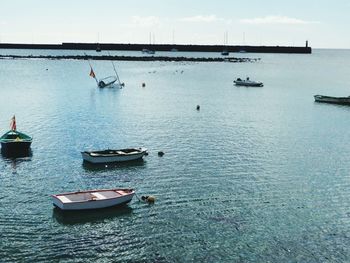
(162, 47)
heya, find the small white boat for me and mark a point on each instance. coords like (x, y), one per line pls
(247, 83)
(92, 199)
(107, 82)
(109, 156)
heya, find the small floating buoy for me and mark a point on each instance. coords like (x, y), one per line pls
(149, 199)
(198, 107)
(143, 84)
(160, 153)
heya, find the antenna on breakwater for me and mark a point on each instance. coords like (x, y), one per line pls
(226, 38)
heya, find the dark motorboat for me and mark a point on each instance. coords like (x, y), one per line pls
(225, 53)
(247, 83)
(98, 48)
(333, 100)
(14, 142)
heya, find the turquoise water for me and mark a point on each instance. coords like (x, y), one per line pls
(257, 175)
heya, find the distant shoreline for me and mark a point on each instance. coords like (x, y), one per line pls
(134, 58)
(163, 47)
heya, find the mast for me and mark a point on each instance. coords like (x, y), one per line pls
(116, 74)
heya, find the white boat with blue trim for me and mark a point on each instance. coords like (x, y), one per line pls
(109, 156)
(93, 199)
(247, 83)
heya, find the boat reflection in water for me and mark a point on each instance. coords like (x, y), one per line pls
(16, 159)
(90, 216)
(110, 166)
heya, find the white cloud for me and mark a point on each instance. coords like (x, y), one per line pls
(144, 21)
(276, 20)
(200, 18)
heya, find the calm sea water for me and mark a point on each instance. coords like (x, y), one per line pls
(257, 175)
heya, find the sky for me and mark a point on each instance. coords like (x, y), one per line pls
(324, 23)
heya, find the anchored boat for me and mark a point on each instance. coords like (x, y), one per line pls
(107, 82)
(92, 199)
(247, 83)
(108, 156)
(14, 142)
(333, 100)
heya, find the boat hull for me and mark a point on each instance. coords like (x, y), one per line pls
(332, 100)
(15, 147)
(102, 84)
(248, 84)
(111, 158)
(91, 203)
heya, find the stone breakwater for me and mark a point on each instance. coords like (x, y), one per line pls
(134, 58)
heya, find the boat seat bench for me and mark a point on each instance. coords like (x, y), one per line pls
(64, 199)
(99, 196)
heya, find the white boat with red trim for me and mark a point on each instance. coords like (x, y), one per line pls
(93, 199)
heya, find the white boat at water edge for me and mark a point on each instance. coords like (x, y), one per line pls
(93, 199)
(247, 83)
(109, 156)
(107, 82)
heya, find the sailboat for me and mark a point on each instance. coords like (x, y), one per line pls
(149, 51)
(225, 51)
(107, 82)
(98, 48)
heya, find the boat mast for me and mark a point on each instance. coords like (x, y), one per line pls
(116, 74)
